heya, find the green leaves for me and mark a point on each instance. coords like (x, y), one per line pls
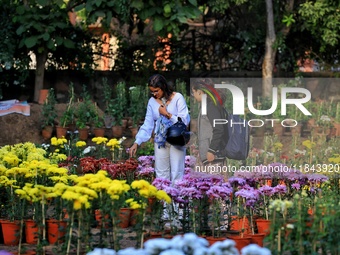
(158, 24)
(30, 42)
(322, 18)
(288, 20)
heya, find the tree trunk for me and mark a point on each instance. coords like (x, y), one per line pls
(270, 52)
(39, 74)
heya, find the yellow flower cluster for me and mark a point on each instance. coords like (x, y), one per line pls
(99, 140)
(133, 204)
(58, 141)
(278, 146)
(114, 144)
(80, 144)
(281, 205)
(146, 190)
(35, 178)
(11, 160)
(309, 144)
(335, 159)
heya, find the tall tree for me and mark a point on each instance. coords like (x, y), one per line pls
(271, 40)
(44, 29)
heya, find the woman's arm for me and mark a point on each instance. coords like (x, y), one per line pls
(181, 110)
(145, 131)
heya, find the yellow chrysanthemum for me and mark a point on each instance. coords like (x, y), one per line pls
(53, 170)
(162, 195)
(76, 205)
(99, 140)
(54, 141)
(80, 144)
(113, 143)
(70, 195)
(278, 146)
(309, 144)
(11, 160)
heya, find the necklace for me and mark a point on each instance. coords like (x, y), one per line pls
(164, 101)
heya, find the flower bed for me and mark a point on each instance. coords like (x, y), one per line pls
(68, 182)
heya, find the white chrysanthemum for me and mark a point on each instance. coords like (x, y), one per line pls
(254, 249)
(129, 251)
(172, 252)
(227, 247)
(104, 251)
(290, 226)
(154, 246)
(188, 242)
(202, 251)
(89, 149)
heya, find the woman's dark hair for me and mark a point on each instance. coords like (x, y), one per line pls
(158, 81)
(206, 84)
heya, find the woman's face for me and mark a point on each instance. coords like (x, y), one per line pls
(197, 94)
(156, 92)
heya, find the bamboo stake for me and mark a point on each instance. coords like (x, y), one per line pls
(70, 234)
(78, 234)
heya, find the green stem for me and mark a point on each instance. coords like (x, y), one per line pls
(70, 234)
(79, 231)
(43, 222)
(142, 234)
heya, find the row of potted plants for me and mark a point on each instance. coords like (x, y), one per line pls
(82, 112)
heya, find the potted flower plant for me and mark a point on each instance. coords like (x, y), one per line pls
(117, 108)
(48, 115)
(85, 112)
(136, 106)
(97, 123)
(67, 117)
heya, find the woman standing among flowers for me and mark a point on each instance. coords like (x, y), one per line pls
(163, 110)
(211, 139)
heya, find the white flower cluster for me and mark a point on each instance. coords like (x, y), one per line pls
(325, 118)
(187, 244)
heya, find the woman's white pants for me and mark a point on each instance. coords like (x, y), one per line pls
(169, 162)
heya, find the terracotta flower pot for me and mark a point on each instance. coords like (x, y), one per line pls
(99, 132)
(134, 217)
(46, 132)
(56, 230)
(117, 131)
(237, 224)
(263, 226)
(124, 217)
(256, 238)
(10, 232)
(61, 131)
(83, 133)
(211, 240)
(240, 241)
(98, 217)
(31, 232)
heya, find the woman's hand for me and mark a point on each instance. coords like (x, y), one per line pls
(210, 156)
(133, 150)
(162, 110)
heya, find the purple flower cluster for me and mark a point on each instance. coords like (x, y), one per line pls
(195, 186)
(254, 187)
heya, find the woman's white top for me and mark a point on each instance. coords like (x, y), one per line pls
(177, 107)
